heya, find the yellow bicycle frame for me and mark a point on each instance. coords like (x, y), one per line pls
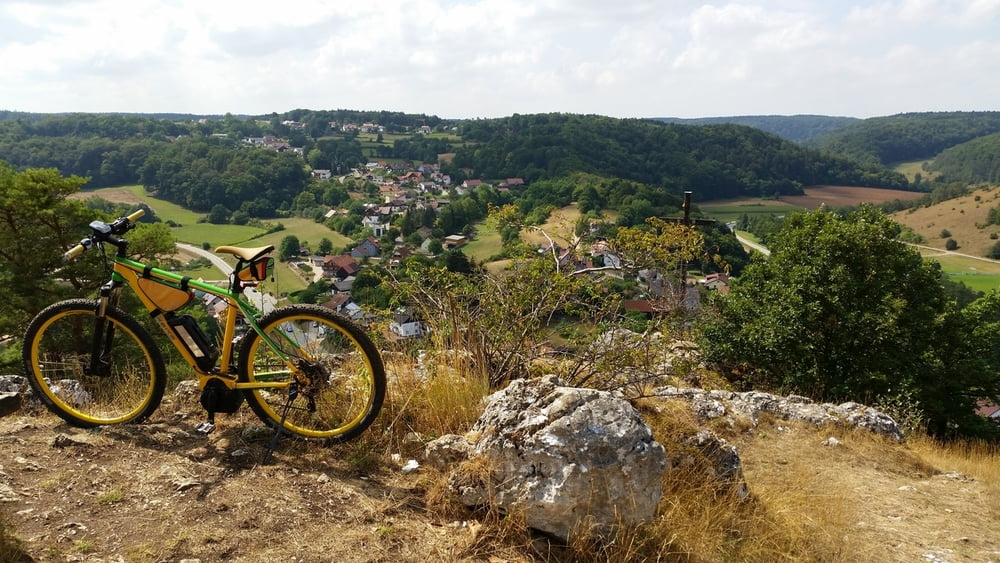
(128, 272)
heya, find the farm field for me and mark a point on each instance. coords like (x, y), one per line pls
(832, 196)
(980, 274)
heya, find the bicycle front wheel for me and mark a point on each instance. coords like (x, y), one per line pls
(329, 377)
(126, 383)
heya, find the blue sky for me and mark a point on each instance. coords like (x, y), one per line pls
(489, 58)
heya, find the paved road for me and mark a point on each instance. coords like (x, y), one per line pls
(263, 301)
(753, 245)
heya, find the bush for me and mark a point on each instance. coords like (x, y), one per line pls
(951, 244)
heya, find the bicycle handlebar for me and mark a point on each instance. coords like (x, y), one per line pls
(104, 232)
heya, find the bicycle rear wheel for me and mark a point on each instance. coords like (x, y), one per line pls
(334, 380)
(126, 387)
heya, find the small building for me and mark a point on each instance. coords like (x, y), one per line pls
(367, 248)
(340, 266)
(452, 242)
(406, 325)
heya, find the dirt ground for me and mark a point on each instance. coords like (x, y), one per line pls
(160, 492)
(836, 196)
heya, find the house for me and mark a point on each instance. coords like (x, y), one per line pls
(373, 221)
(454, 241)
(345, 285)
(340, 266)
(367, 248)
(338, 302)
(399, 254)
(405, 324)
(321, 174)
(988, 410)
(715, 281)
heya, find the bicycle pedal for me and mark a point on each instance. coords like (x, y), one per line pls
(205, 428)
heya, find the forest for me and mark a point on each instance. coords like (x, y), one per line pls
(203, 163)
(905, 137)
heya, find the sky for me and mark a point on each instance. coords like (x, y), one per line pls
(493, 58)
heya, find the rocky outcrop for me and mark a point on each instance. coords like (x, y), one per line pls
(730, 406)
(571, 461)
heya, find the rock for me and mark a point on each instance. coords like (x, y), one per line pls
(717, 460)
(571, 461)
(447, 451)
(12, 383)
(9, 403)
(727, 405)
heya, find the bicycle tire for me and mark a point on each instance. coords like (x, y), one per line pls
(57, 348)
(337, 366)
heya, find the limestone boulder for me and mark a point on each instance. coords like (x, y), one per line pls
(570, 460)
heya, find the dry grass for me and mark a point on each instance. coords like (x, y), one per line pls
(964, 218)
(868, 499)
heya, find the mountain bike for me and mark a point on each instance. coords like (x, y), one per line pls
(304, 370)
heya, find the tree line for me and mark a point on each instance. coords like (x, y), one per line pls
(720, 161)
(905, 137)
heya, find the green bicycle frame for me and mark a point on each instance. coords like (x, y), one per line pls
(128, 272)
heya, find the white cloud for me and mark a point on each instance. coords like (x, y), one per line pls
(495, 57)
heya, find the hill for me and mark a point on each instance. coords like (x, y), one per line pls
(795, 128)
(158, 492)
(974, 161)
(964, 218)
(720, 161)
(905, 137)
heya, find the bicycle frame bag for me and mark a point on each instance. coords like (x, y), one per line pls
(165, 297)
(194, 340)
(258, 269)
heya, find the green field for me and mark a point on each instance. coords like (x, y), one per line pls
(192, 232)
(725, 213)
(911, 169)
(980, 275)
(485, 245)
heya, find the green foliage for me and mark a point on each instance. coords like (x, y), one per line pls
(795, 128)
(324, 247)
(973, 161)
(289, 248)
(906, 137)
(842, 310)
(951, 244)
(721, 160)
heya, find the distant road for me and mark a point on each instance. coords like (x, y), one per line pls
(752, 245)
(941, 252)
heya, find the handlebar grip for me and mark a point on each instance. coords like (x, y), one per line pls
(74, 252)
(136, 215)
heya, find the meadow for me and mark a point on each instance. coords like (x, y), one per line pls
(288, 278)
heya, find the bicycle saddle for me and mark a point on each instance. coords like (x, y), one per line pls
(245, 254)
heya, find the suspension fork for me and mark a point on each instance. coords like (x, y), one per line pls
(104, 330)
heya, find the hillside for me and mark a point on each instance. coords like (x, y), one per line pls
(962, 217)
(157, 492)
(906, 137)
(974, 161)
(795, 128)
(721, 161)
